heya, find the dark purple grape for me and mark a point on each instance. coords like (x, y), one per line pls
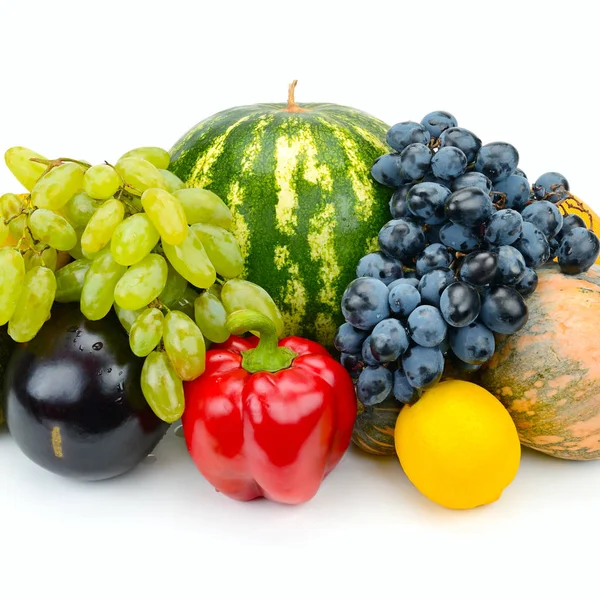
(465, 140)
(511, 266)
(423, 367)
(504, 227)
(432, 284)
(403, 299)
(398, 206)
(545, 216)
(460, 304)
(459, 237)
(415, 161)
(469, 207)
(367, 355)
(427, 202)
(551, 186)
(533, 245)
(353, 363)
(479, 268)
(472, 179)
(497, 161)
(528, 283)
(402, 390)
(516, 189)
(569, 223)
(388, 341)
(448, 163)
(402, 239)
(404, 134)
(387, 171)
(578, 251)
(427, 326)
(473, 344)
(374, 385)
(435, 255)
(437, 122)
(379, 266)
(407, 280)
(503, 310)
(365, 303)
(554, 246)
(520, 173)
(349, 340)
(432, 234)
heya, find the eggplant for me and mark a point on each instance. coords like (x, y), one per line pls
(74, 403)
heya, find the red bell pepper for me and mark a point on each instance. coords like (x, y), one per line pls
(268, 418)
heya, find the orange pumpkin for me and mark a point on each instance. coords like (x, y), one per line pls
(548, 374)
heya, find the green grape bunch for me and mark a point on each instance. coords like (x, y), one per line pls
(128, 237)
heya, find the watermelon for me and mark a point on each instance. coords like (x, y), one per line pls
(297, 180)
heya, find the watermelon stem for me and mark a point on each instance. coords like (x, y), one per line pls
(291, 105)
(268, 355)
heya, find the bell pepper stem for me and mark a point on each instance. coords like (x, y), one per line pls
(268, 355)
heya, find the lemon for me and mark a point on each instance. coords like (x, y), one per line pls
(458, 445)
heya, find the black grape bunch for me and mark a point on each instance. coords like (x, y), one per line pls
(455, 262)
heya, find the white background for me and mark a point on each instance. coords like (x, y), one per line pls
(93, 79)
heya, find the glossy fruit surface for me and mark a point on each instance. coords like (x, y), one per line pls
(74, 404)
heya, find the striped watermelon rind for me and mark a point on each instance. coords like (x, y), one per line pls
(305, 206)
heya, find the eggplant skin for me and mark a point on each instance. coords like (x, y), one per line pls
(74, 403)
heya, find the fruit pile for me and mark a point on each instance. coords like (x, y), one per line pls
(163, 255)
(455, 262)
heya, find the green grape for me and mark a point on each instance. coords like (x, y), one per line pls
(47, 258)
(174, 288)
(27, 172)
(162, 388)
(98, 290)
(210, 316)
(12, 277)
(52, 229)
(185, 303)
(32, 259)
(69, 280)
(10, 206)
(222, 249)
(101, 182)
(33, 307)
(50, 258)
(140, 175)
(133, 239)
(184, 345)
(3, 231)
(173, 182)
(167, 215)
(80, 208)
(156, 156)
(126, 317)
(58, 186)
(142, 283)
(101, 226)
(238, 294)
(17, 227)
(191, 261)
(146, 332)
(76, 251)
(204, 206)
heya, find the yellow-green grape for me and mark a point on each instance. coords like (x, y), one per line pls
(142, 283)
(156, 156)
(204, 206)
(167, 215)
(50, 258)
(33, 307)
(52, 229)
(210, 316)
(12, 277)
(76, 251)
(140, 175)
(146, 332)
(32, 259)
(17, 227)
(191, 261)
(101, 226)
(101, 182)
(222, 249)
(69, 280)
(174, 288)
(98, 290)
(3, 231)
(10, 206)
(80, 208)
(162, 388)
(126, 317)
(173, 182)
(185, 303)
(238, 294)
(133, 239)
(27, 172)
(58, 186)
(184, 345)
(47, 258)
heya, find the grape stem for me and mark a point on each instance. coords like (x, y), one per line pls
(57, 162)
(268, 355)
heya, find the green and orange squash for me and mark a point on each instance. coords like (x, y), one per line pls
(297, 179)
(548, 374)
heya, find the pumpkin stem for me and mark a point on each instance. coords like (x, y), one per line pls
(291, 105)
